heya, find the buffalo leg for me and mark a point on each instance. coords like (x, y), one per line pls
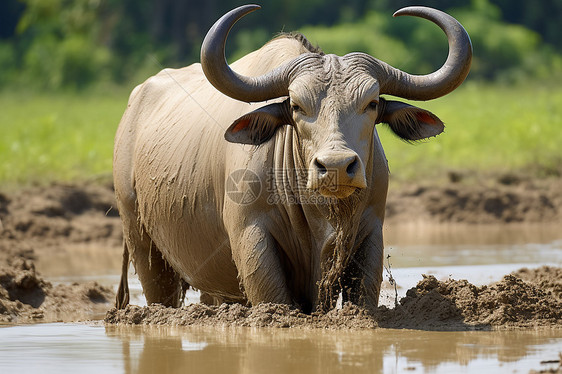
(259, 267)
(122, 297)
(207, 299)
(160, 283)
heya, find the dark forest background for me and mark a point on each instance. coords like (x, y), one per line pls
(53, 44)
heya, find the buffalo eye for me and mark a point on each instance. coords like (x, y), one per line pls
(296, 108)
(372, 105)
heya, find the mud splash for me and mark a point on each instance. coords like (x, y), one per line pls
(431, 305)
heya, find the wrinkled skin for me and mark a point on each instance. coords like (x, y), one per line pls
(288, 209)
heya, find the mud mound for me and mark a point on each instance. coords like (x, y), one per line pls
(26, 297)
(548, 278)
(432, 304)
(511, 302)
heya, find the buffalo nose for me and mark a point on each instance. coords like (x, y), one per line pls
(347, 164)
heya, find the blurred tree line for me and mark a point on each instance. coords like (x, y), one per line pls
(73, 43)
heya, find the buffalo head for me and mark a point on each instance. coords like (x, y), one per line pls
(335, 102)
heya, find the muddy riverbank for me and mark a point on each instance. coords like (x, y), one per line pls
(50, 222)
(43, 222)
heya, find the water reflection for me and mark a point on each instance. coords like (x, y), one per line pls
(78, 348)
(245, 350)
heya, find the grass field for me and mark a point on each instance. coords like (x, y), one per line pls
(68, 137)
(57, 137)
(488, 129)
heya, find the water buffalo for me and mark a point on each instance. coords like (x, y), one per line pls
(267, 182)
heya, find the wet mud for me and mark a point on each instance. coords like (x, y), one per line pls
(25, 297)
(53, 216)
(44, 221)
(495, 199)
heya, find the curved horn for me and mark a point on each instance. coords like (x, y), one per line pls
(268, 86)
(448, 77)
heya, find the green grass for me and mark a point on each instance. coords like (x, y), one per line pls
(69, 137)
(488, 129)
(57, 137)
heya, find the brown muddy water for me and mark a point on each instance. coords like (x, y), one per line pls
(479, 254)
(88, 348)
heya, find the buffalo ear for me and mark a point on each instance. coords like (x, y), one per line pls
(259, 126)
(409, 122)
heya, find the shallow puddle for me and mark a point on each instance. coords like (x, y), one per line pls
(479, 254)
(74, 348)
